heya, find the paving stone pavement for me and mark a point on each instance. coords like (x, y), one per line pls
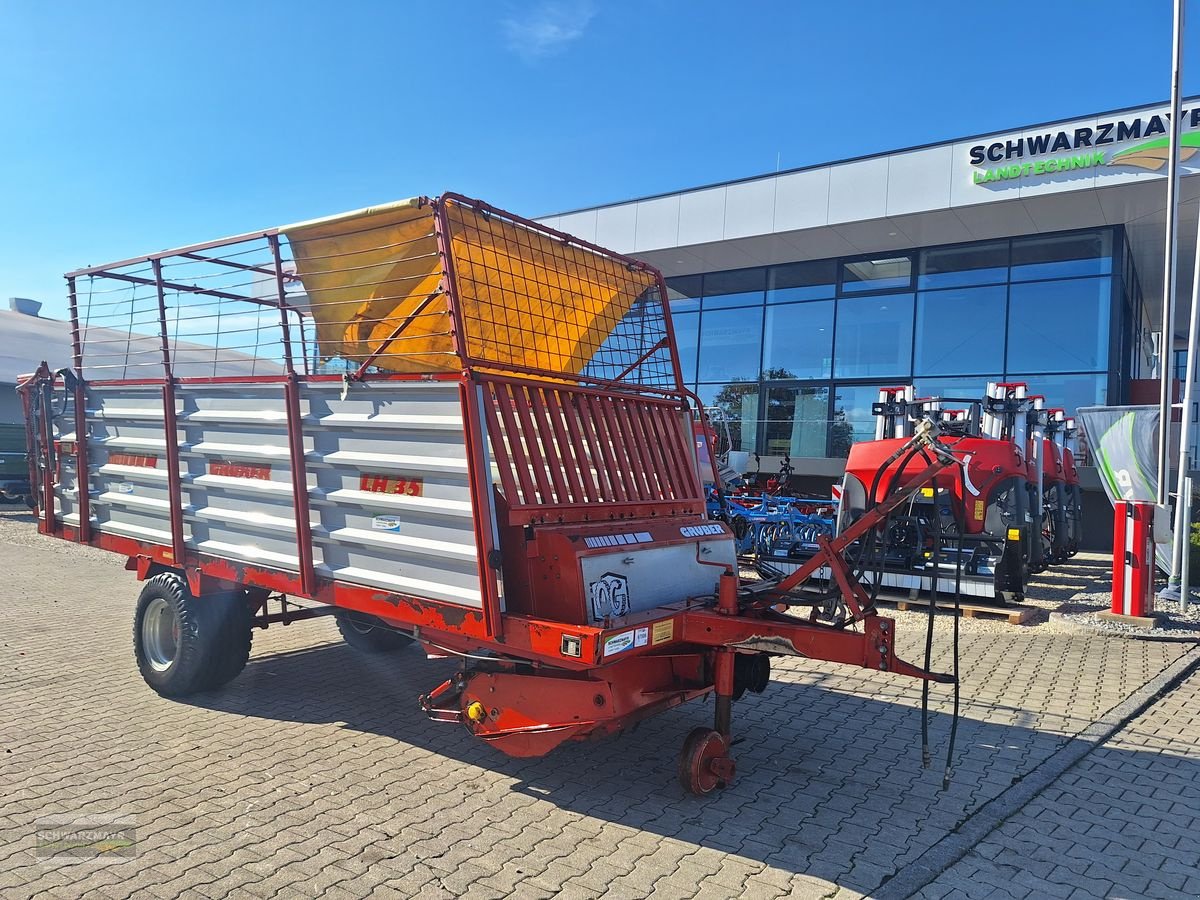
(1123, 822)
(314, 773)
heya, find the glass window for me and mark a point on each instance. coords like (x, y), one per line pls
(852, 419)
(733, 409)
(1058, 326)
(969, 264)
(802, 281)
(730, 344)
(960, 331)
(1062, 256)
(797, 420)
(881, 274)
(798, 342)
(874, 337)
(684, 293)
(687, 336)
(743, 287)
(1067, 391)
(968, 388)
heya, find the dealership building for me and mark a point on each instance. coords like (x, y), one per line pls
(1034, 254)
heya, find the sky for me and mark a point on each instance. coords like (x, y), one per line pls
(131, 127)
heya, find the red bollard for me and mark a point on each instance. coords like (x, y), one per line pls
(1133, 563)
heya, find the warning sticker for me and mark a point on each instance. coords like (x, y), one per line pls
(618, 643)
(978, 509)
(640, 637)
(664, 631)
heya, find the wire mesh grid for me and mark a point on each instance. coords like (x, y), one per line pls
(369, 297)
(533, 301)
(216, 314)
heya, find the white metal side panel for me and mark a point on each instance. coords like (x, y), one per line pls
(237, 487)
(127, 463)
(416, 538)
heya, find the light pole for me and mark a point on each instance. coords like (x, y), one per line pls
(1167, 338)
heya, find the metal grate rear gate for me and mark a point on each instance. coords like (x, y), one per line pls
(566, 453)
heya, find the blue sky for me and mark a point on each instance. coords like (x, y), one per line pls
(135, 126)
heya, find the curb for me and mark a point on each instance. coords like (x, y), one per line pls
(954, 846)
(1067, 623)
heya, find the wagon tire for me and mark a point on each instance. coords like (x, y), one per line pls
(701, 749)
(235, 633)
(369, 634)
(174, 635)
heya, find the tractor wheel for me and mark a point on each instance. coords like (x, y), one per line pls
(369, 634)
(174, 636)
(233, 620)
(701, 750)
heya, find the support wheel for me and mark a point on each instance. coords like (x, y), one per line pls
(369, 634)
(174, 637)
(704, 763)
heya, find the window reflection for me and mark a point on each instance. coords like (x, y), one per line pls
(683, 293)
(960, 331)
(730, 344)
(968, 388)
(1060, 256)
(797, 420)
(1059, 326)
(687, 335)
(1067, 391)
(852, 419)
(963, 265)
(798, 342)
(744, 287)
(736, 405)
(880, 274)
(874, 337)
(802, 281)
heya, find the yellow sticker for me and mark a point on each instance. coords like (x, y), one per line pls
(979, 509)
(663, 631)
(1014, 534)
(926, 492)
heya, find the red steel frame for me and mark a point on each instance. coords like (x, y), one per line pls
(655, 476)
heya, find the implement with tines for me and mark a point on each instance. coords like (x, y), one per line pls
(433, 420)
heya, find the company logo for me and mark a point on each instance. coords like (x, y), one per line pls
(1086, 148)
(609, 595)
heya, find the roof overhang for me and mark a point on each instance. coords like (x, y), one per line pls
(1105, 169)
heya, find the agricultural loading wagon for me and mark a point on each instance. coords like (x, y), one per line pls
(432, 420)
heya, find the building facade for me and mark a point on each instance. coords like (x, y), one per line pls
(1033, 255)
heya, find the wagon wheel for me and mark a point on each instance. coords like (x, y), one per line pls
(704, 763)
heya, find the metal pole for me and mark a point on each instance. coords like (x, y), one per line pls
(1166, 341)
(1183, 534)
(1179, 542)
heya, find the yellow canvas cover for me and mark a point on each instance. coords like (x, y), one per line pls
(527, 299)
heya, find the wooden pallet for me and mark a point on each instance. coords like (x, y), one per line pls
(1016, 615)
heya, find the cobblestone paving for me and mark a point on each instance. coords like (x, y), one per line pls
(1123, 822)
(314, 773)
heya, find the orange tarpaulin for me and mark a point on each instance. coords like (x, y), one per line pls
(526, 298)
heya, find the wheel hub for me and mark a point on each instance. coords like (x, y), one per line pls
(160, 634)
